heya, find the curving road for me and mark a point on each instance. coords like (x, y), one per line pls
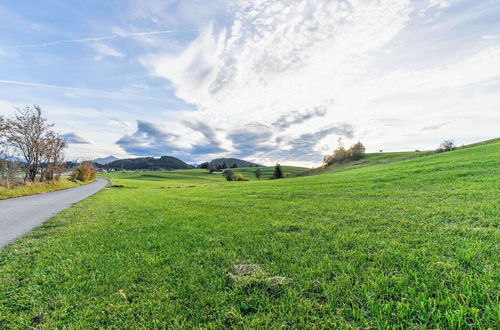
(19, 216)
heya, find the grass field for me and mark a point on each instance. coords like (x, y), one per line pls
(36, 188)
(184, 178)
(407, 244)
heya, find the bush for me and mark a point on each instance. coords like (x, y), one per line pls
(84, 173)
(357, 151)
(447, 145)
(341, 154)
(287, 174)
(228, 174)
(239, 177)
(258, 174)
(211, 168)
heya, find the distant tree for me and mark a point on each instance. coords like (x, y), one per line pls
(234, 165)
(228, 174)
(258, 174)
(357, 151)
(204, 165)
(447, 145)
(341, 154)
(211, 168)
(224, 165)
(278, 172)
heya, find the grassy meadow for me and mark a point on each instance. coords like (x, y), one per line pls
(37, 188)
(402, 244)
(186, 178)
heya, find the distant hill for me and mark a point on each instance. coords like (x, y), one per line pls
(105, 160)
(230, 162)
(150, 163)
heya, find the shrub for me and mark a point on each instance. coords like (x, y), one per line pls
(287, 174)
(277, 173)
(84, 173)
(228, 174)
(258, 174)
(357, 151)
(447, 145)
(341, 154)
(211, 168)
(239, 177)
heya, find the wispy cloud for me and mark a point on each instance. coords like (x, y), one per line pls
(75, 138)
(91, 92)
(123, 34)
(106, 50)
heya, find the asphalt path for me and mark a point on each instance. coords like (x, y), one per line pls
(19, 216)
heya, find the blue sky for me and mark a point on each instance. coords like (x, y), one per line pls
(265, 80)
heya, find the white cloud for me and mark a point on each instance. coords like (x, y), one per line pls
(439, 3)
(106, 50)
(281, 59)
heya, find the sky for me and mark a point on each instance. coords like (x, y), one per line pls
(263, 80)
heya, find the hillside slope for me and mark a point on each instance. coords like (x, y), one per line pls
(409, 244)
(149, 163)
(230, 162)
(378, 158)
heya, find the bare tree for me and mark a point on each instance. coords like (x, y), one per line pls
(447, 145)
(9, 167)
(3, 132)
(26, 133)
(52, 157)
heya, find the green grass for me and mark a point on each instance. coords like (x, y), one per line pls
(408, 244)
(36, 188)
(185, 178)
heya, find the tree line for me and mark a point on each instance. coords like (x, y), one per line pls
(29, 148)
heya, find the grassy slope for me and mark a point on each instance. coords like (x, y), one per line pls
(408, 244)
(370, 159)
(377, 158)
(36, 188)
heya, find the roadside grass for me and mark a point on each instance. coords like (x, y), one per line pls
(410, 244)
(37, 188)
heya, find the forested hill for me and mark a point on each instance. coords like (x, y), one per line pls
(231, 162)
(149, 163)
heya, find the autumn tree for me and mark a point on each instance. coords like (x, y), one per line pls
(357, 151)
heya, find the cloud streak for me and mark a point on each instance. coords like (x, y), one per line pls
(120, 35)
(92, 92)
(75, 138)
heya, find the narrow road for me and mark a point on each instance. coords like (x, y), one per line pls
(19, 216)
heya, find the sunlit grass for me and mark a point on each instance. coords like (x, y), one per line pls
(36, 188)
(409, 244)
